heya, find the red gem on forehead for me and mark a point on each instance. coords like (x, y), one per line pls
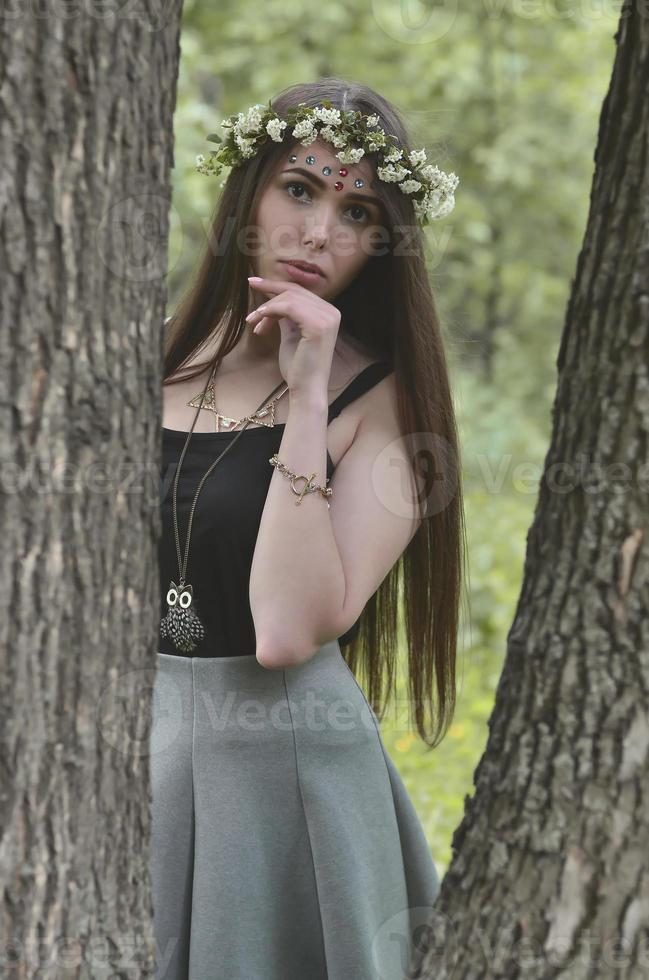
(339, 185)
(343, 171)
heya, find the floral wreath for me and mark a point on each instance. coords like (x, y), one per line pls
(430, 188)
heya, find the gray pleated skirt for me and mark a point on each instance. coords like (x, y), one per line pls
(284, 844)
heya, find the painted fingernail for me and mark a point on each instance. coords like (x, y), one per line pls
(250, 315)
(254, 278)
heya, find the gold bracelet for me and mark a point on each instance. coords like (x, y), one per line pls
(309, 485)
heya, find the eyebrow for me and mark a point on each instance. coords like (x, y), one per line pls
(319, 182)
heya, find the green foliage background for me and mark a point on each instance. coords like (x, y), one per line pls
(508, 96)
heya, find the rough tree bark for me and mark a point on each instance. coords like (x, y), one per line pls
(87, 95)
(550, 869)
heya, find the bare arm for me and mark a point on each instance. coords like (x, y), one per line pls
(314, 568)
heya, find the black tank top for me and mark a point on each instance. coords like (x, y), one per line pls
(226, 522)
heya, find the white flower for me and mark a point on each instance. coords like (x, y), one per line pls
(417, 157)
(409, 186)
(253, 120)
(375, 141)
(352, 155)
(440, 209)
(420, 208)
(372, 120)
(394, 155)
(200, 159)
(331, 136)
(434, 205)
(247, 146)
(439, 178)
(445, 207)
(274, 129)
(303, 128)
(331, 117)
(392, 175)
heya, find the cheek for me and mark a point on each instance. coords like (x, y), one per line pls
(279, 222)
(267, 209)
(277, 201)
(350, 261)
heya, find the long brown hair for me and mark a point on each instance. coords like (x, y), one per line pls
(389, 309)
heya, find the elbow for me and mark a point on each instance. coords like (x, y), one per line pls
(275, 656)
(266, 660)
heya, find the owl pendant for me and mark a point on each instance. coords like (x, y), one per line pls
(181, 624)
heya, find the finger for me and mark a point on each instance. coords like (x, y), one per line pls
(265, 324)
(272, 285)
(277, 306)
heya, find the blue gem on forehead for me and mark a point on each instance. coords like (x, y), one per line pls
(326, 171)
(310, 159)
(292, 158)
(358, 182)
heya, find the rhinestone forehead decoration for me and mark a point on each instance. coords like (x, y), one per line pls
(327, 171)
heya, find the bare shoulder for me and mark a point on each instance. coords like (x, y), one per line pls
(378, 408)
(371, 417)
(379, 402)
(378, 465)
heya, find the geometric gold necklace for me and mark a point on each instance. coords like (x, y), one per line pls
(229, 423)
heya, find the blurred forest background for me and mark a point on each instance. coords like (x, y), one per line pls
(507, 96)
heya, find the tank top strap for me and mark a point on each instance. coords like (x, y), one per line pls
(363, 381)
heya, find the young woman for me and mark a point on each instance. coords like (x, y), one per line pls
(309, 459)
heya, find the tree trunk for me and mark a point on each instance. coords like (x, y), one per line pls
(550, 869)
(87, 103)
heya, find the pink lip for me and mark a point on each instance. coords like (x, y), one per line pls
(307, 266)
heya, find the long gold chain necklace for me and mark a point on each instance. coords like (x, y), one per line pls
(181, 624)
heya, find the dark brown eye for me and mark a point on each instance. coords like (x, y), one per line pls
(296, 183)
(364, 211)
(365, 214)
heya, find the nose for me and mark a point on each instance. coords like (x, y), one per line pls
(317, 226)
